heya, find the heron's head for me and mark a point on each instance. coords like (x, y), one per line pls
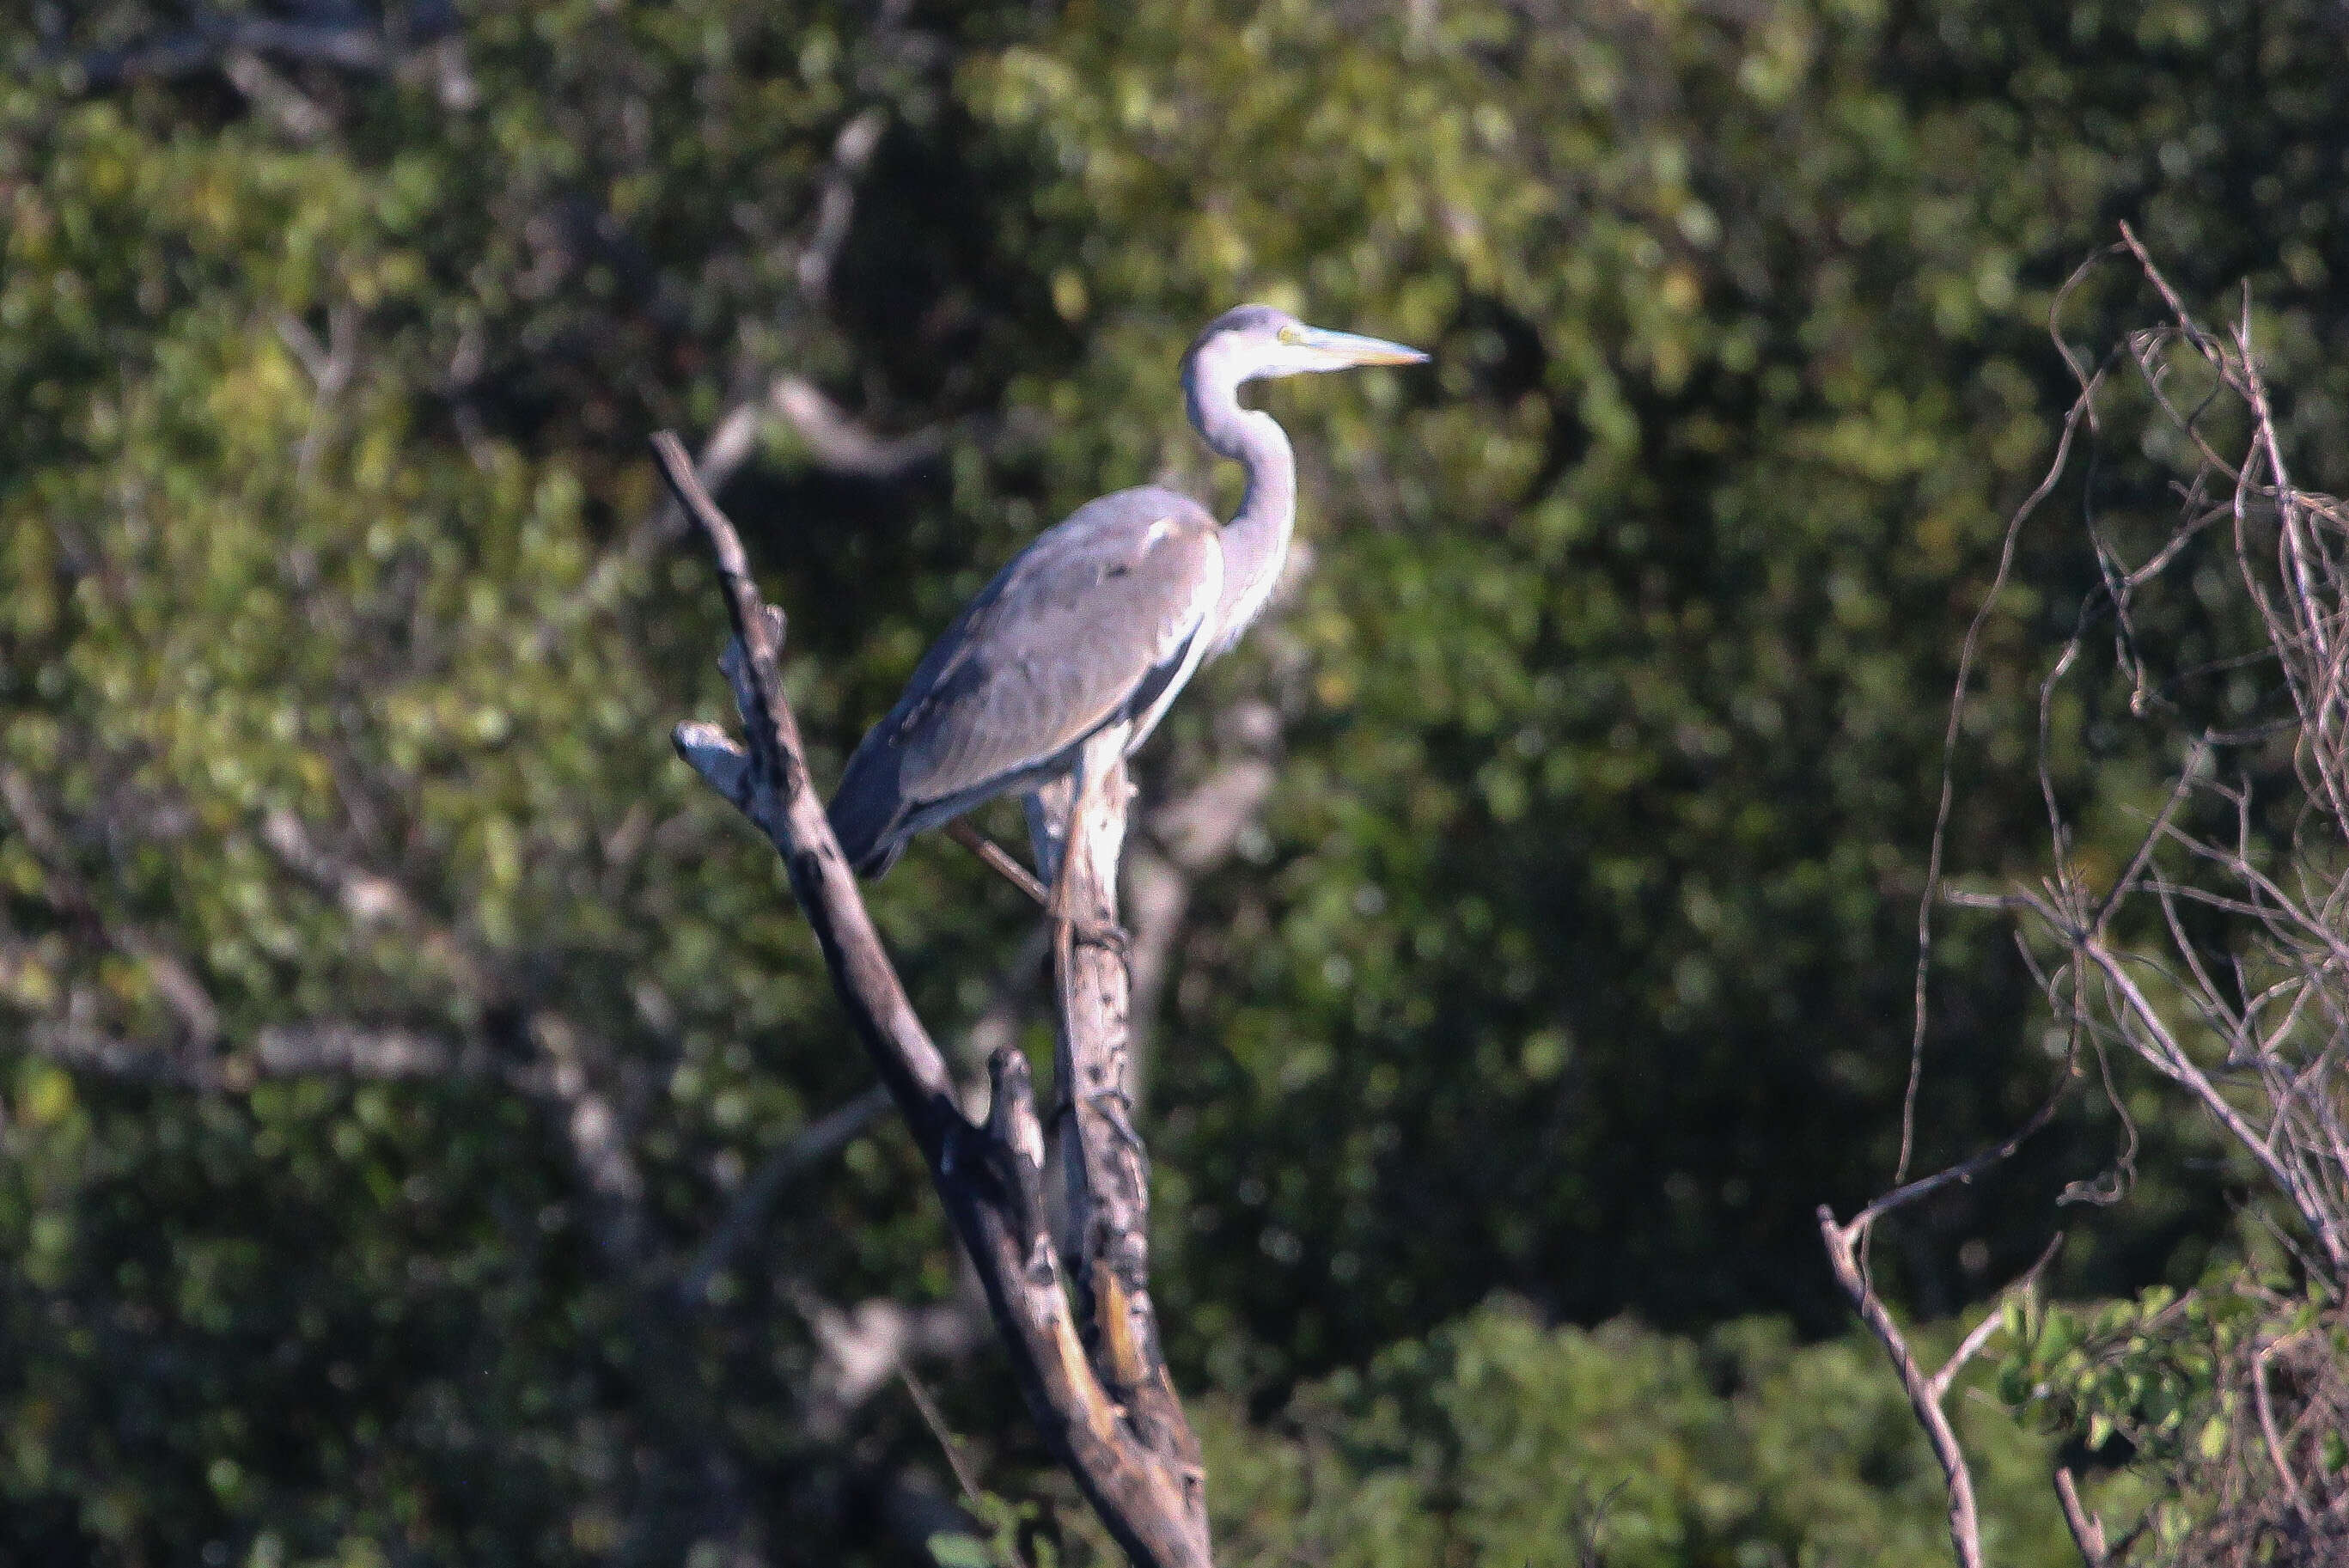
(1254, 341)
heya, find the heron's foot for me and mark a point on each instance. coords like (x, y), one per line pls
(1103, 933)
(1115, 1107)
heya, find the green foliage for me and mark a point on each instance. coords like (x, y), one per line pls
(2169, 1389)
(1497, 1441)
(1615, 721)
(393, 609)
(2138, 1368)
(1569, 959)
(952, 1550)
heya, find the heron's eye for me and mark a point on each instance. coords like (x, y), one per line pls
(1292, 334)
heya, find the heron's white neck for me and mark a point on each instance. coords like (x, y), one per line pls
(1256, 541)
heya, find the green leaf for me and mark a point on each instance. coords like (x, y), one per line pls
(951, 1548)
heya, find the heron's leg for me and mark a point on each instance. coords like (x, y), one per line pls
(1086, 932)
(1108, 934)
(1046, 809)
(1115, 1107)
(1114, 1104)
(999, 859)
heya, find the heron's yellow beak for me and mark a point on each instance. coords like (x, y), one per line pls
(1346, 349)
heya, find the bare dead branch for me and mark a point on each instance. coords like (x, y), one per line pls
(2243, 1000)
(1107, 1176)
(290, 109)
(1983, 1333)
(175, 981)
(1966, 1171)
(594, 1133)
(323, 1047)
(1928, 1392)
(214, 36)
(852, 150)
(935, 1420)
(842, 445)
(837, 441)
(1924, 1397)
(2265, 1400)
(71, 1043)
(989, 1176)
(811, 1146)
(866, 1344)
(371, 899)
(346, 1048)
(2087, 1530)
(2082, 408)
(2161, 1047)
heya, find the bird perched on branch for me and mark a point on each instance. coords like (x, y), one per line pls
(1102, 620)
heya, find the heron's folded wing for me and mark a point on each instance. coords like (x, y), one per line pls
(1085, 620)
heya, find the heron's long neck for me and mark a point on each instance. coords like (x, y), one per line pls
(1256, 541)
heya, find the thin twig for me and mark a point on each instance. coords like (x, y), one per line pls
(1992, 1320)
(937, 1422)
(2087, 1530)
(2082, 408)
(1965, 1526)
(1966, 1170)
(815, 1143)
(2275, 1443)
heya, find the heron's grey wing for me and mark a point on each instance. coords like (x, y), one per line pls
(1099, 611)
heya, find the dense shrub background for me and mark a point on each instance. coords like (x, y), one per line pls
(1564, 973)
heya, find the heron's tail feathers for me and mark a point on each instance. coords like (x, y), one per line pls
(867, 813)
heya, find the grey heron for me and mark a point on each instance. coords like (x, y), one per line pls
(1098, 623)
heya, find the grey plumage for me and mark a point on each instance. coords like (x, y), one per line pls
(1101, 619)
(999, 702)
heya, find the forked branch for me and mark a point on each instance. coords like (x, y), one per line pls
(1927, 1391)
(2245, 1004)
(1140, 1473)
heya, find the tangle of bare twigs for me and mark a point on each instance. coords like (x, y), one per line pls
(2218, 955)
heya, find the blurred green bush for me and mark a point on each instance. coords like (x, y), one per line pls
(1570, 957)
(1496, 1440)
